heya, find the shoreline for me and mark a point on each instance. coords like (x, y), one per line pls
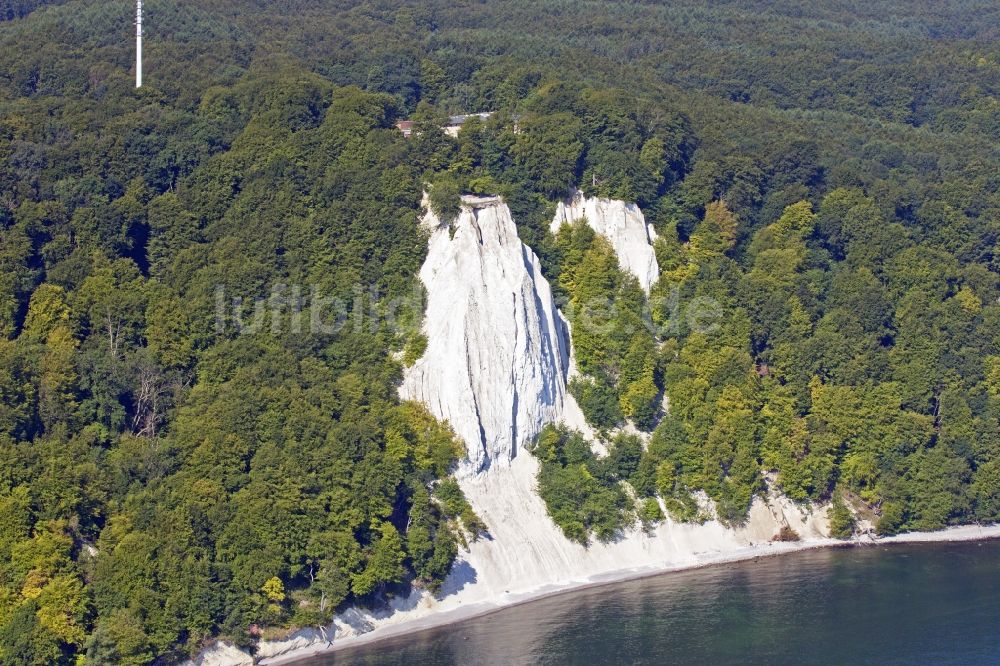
(436, 620)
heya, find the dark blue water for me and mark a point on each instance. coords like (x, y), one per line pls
(906, 604)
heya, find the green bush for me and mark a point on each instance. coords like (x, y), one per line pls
(415, 347)
(624, 456)
(891, 519)
(446, 198)
(682, 507)
(841, 520)
(598, 402)
(650, 513)
(581, 497)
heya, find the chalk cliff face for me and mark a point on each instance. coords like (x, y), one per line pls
(497, 359)
(623, 224)
(498, 349)
(495, 367)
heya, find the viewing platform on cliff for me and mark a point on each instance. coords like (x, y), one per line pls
(451, 128)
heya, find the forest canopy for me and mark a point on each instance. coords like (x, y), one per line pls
(827, 174)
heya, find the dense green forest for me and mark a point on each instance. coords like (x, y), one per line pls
(828, 175)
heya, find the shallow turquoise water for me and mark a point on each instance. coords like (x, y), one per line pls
(906, 604)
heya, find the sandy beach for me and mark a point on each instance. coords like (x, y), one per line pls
(415, 621)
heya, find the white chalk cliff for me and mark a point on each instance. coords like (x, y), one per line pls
(497, 359)
(498, 349)
(495, 367)
(623, 225)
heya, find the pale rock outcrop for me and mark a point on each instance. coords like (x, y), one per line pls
(498, 349)
(299, 640)
(496, 364)
(221, 654)
(497, 359)
(623, 225)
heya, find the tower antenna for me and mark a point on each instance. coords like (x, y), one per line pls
(138, 44)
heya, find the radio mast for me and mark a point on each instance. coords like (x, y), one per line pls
(138, 44)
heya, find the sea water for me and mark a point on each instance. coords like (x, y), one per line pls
(899, 604)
